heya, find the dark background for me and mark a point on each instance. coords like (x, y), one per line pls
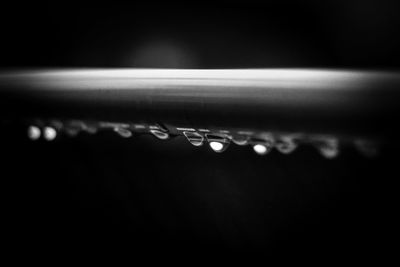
(214, 34)
(160, 195)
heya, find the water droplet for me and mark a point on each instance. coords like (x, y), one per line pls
(218, 142)
(159, 134)
(194, 138)
(329, 148)
(73, 127)
(71, 131)
(285, 145)
(367, 148)
(261, 149)
(91, 129)
(34, 132)
(240, 140)
(160, 127)
(218, 147)
(49, 133)
(126, 133)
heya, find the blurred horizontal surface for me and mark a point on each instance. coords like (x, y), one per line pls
(363, 103)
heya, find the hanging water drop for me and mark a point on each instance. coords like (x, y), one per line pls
(285, 145)
(240, 140)
(159, 134)
(126, 133)
(49, 133)
(218, 142)
(218, 147)
(261, 149)
(34, 132)
(329, 148)
(91, 129)
(194, 138)
(73, 127)
(367, 148)
(71, 131)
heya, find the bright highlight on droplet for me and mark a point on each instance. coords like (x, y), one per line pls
(123, 132)
(330, 149)
(260, 149)
(49, 133)
(216, 146)
(159, 134)
(34, 132)
(194, 138)
(329, 152)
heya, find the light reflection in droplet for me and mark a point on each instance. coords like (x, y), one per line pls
(194, 138)
(123, 132)
(34, 132)
(218, 142)
(49, 133)
(330, 148)
(159, 134)
(217, 146)
(260, 149)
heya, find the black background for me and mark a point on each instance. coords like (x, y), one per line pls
(159, 195)
(215, 34)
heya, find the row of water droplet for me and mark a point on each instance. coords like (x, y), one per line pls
(286, 144)
(262, 144)
(328, 146)
(49, 131)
